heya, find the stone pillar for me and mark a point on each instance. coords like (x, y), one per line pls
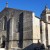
(3, 24)
(11, 32)
(43, 33)
(33, 17)
(48, 34)
(11, 28)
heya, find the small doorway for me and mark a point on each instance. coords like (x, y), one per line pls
(3, 42)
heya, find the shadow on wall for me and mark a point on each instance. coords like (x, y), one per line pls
(20, 29)
(7, 40)
(3, 42)
(35, 46)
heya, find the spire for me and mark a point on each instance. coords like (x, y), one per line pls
(46, 6)
(6, 4)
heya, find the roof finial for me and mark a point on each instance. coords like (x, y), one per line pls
(6, 4)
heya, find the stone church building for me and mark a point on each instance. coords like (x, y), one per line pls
(20, 29)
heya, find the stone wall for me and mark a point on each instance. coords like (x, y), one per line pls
(36, 28)
(23, 28)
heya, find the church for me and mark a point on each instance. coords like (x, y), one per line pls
(22, 30)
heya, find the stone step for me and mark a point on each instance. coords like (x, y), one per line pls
(2, 49)
(16, 49)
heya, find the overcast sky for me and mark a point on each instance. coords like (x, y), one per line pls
(31, 5)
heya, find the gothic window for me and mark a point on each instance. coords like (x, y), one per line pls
(49, 18)
(5, 22)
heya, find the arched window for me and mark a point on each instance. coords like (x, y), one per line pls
(5, 22)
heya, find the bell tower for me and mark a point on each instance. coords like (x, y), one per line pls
(45, 15)
(45, 26)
